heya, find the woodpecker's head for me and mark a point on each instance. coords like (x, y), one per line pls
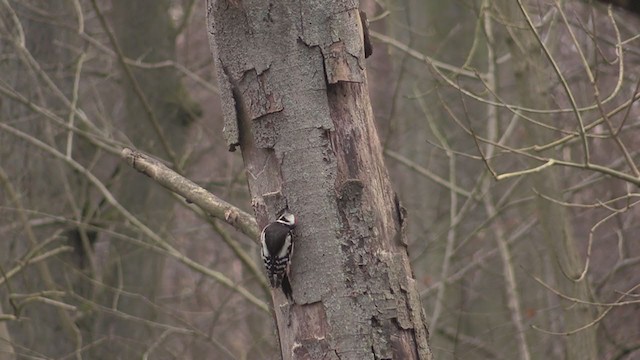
(287, 219)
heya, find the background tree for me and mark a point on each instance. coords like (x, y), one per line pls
(508, 129)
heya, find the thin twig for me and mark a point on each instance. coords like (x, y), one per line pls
(221, 278)
(419, 56)
(426, 173)
(563, 81)
(137, 89)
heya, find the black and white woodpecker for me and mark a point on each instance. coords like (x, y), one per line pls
(276, 241)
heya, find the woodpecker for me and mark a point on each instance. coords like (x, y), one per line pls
(276, 241)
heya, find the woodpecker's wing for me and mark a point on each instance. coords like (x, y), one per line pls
(277, 239)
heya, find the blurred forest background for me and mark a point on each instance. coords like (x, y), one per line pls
(510, 131)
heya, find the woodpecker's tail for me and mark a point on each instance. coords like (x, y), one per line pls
(286, 288)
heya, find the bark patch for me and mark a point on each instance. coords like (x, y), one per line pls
(312, 331)
(340, 65)
(269, 203)
(261, 98)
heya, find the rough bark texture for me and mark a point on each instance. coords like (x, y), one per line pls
(303, 121)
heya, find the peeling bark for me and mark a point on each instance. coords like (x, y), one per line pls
(292, 78)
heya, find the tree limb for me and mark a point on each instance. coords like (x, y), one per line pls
(192, 192)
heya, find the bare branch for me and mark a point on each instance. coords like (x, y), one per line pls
(138, 91)
(159, 241)
(192, 192)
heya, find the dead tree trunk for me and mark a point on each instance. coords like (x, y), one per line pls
(302, 118)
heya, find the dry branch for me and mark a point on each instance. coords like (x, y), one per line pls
(192, 192)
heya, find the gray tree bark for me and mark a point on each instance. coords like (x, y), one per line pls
(303, 120)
